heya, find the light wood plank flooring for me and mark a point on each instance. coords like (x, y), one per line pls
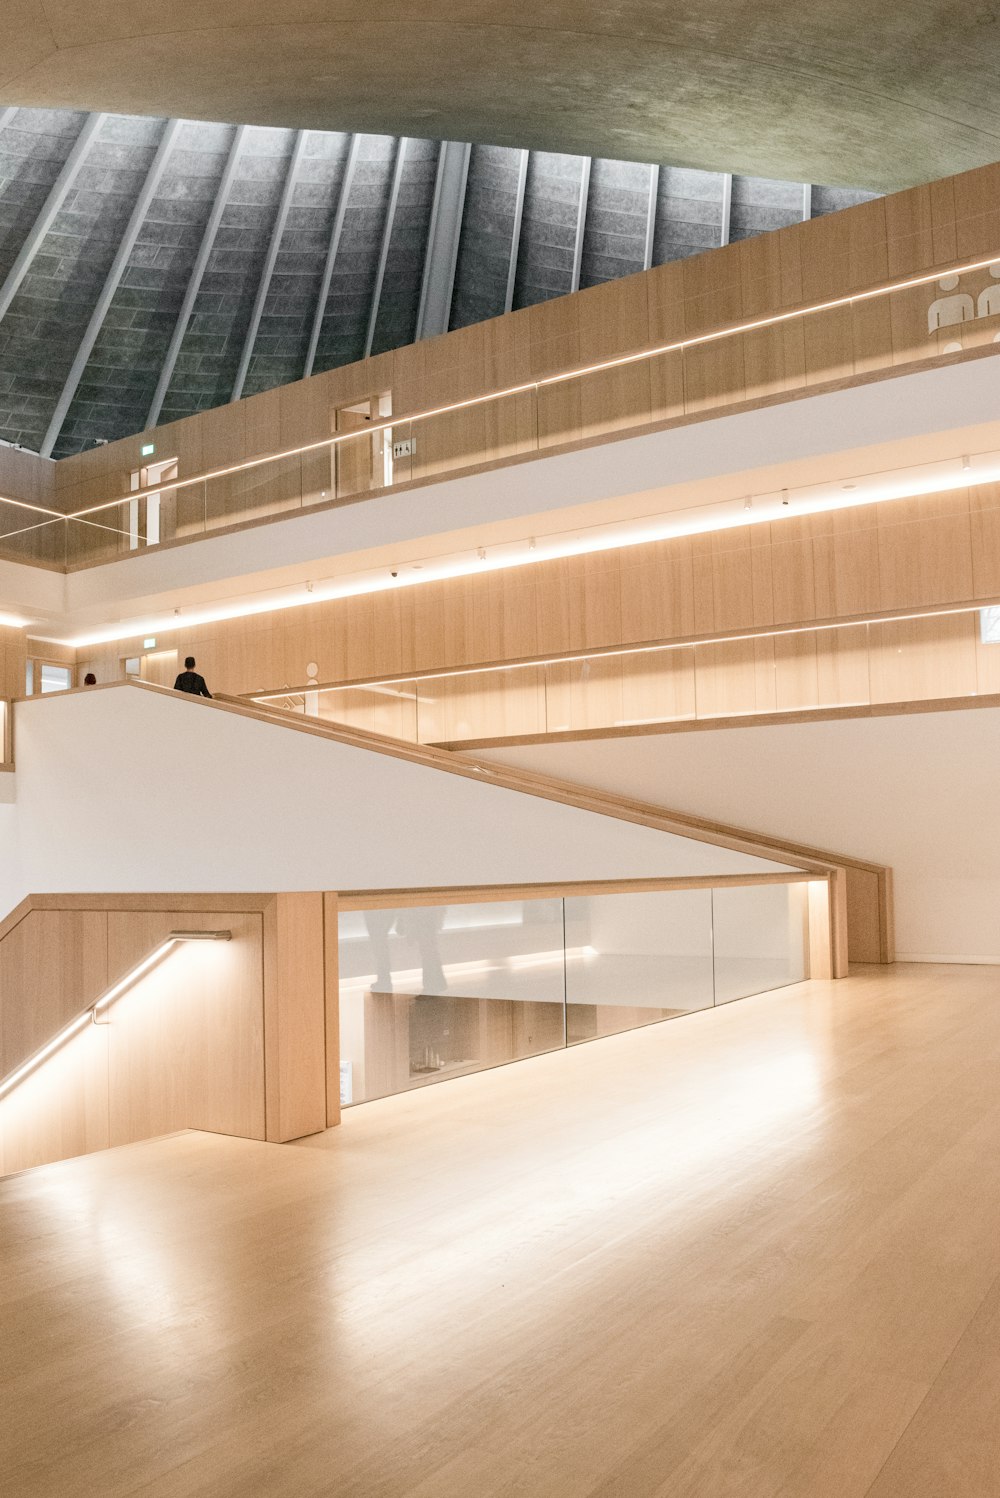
(752, 1252)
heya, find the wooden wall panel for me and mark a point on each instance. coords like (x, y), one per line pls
(61, 1111)
(186, 1045)
(938, 549)
(182, 1049)
(863, 916)
(919, 659)
(52, 966)
(331, 961)
(925, 551)
(295, 975)
(837, 254)
(13, 660)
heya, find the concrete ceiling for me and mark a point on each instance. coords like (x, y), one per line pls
(841, 92)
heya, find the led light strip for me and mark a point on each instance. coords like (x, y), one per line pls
(536, 663)
(734, 330)
(89, 1016)
(945, 475)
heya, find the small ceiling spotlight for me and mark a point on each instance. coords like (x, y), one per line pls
(531, 543)
(481, 553)
(849, 486)
(784, 497)
(748, 502)
(966, 464)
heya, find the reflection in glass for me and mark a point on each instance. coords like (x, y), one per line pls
(760, 938)
(645, 957)
(440, 991)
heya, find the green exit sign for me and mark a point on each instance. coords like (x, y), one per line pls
(148, 450)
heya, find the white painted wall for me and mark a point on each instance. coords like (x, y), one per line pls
(920, 792)
(130, 789)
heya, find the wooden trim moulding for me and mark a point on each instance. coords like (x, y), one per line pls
(968, 703)
(485, 894)
(830, 622)
(583, 797)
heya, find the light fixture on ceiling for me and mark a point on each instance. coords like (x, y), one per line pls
(939, 477)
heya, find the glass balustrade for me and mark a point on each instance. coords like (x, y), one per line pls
(433, 992)
(703, 369)
(828, 666)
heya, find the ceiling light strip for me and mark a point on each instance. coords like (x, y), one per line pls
(715, 516)
(734, 330)
(692, 642)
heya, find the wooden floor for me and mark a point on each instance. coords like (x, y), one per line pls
(750, 1252)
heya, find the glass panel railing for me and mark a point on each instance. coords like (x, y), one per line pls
(480, 704)
(951, 311)
(634, 959)
(24, 537)
(439, 991)
(827, 666)
(760, 938)
(248, 494)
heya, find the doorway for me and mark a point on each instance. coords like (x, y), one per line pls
(156, 666)
(361, 466)
(151, 517)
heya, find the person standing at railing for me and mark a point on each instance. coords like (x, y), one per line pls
(189, 681)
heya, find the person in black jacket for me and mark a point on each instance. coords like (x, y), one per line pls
(190, 681)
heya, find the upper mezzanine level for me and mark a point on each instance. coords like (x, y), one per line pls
(839, 300)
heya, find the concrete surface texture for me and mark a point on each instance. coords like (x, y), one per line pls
(838, 93)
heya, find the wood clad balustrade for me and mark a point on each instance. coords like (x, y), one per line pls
(886, 240)
(887, 558)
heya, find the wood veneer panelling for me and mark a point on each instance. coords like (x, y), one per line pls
(899, 555)
(850, 251)
(295, 976)
(53, 964)
(186, 1045)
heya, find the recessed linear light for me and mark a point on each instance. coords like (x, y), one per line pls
(704, 519)
(775, 319)
(12, 1079)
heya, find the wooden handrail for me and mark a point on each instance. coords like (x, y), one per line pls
(804, 860)
(575, 372)
(664, 643)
